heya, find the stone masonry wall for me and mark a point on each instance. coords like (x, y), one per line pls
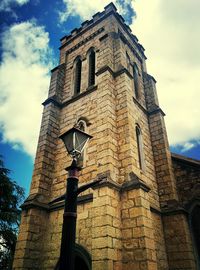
(187, 172)
(176, 228)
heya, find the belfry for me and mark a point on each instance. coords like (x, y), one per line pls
(145, 213)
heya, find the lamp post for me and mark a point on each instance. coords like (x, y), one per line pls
(75, 141)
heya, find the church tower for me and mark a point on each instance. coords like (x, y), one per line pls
(132, 219)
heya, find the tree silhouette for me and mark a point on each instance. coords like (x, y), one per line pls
(11, 195)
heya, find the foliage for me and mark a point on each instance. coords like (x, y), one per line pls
(11, 195)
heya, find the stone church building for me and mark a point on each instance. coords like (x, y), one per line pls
(145, 214)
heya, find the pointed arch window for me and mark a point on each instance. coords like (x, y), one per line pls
(140, 147)
(128, 61)
(195, 229)
(77, 76)
(82, 126)
(91, 71)
(136, 80)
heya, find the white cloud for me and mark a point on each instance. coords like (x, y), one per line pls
(187, 146)
(85, 10)
(169, 30)
(24, 83)
(7, 5)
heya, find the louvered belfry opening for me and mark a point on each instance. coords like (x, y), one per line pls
(77, 83)
(91, 77)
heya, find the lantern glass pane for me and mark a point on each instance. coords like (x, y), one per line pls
(80, 141)
(75, 141)
(69, 142)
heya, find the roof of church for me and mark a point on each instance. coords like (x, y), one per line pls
(184, 159)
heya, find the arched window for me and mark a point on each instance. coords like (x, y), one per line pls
(140, 147)
(77, 76)
(195, 226)
(82, 259)
(128, 61)
(82, 126)
(91, 66)
(136, 80)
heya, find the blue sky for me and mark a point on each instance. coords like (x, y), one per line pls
(30, 38)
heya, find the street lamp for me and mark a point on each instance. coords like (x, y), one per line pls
(75, 141)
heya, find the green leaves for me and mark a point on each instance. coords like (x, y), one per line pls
(11, 196)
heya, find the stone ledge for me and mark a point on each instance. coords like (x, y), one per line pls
(169, 212)
(155, 211)
(59, 204)
(115, 74)
(157, 110)
(52, 100)
(60, 105)
(149, 77)
(172, 207)
(58, 67)
(134, 183)
(33, 202)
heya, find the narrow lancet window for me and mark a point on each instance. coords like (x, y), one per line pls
(82, 126)
(91, 73)
(140, 147)
(136, 80)
(128, 61)
(77, 76)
